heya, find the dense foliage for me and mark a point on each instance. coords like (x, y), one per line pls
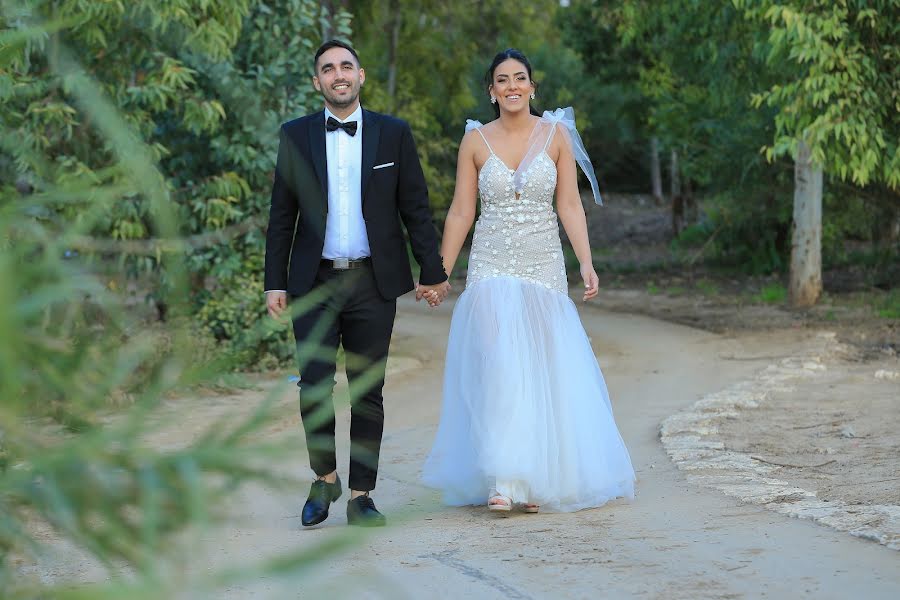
(716, 82)
(205, 85)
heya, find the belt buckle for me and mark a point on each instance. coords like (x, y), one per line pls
(341, 263)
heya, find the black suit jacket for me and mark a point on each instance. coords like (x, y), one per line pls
(296, 232)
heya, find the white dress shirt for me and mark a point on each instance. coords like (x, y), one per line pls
(345, 228)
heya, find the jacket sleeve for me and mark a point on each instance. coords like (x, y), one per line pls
(282, 218)
(415, 211)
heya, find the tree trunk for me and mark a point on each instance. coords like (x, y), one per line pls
(330, 8)
(655, 171)
(677, 201)
(690, 202)
(675, 175)
(395, 23)
(806, 246)
(326, 12)
(887, 230)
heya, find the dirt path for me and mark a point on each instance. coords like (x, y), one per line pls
(676, 540)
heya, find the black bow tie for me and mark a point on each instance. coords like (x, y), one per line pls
(333, 124)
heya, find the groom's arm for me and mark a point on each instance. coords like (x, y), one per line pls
(282, 218)
(412, 199)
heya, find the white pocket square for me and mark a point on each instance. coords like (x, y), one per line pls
(390, 164)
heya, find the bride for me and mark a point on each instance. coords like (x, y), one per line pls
(526, 417)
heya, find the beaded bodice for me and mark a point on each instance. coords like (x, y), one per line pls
(518, 236)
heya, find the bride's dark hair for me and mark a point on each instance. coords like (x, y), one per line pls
(509, 53)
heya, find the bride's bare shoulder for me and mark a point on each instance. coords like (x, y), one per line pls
(471, 149)
(469, 140)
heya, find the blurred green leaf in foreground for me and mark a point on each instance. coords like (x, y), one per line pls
(75, 164)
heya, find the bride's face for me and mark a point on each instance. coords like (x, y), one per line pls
(511, 86)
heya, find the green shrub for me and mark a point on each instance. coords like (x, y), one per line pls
(707, 287)
(772, 293)
(890, 306)
(845, 215)
(693, 235)
(235, 316)
(752, 234)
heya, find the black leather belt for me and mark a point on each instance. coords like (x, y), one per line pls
(342, 264)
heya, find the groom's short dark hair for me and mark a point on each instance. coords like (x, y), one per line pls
(333, 44)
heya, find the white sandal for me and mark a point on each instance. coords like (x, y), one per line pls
(504, 504)
(531, 508)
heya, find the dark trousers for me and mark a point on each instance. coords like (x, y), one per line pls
(344, 307)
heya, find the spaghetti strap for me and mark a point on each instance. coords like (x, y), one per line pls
(478, 129)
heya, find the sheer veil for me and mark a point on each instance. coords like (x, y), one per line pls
(562, 120)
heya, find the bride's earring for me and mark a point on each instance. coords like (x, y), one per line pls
(532, 95)
(493, 100)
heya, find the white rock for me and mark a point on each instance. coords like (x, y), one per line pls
(887, 375)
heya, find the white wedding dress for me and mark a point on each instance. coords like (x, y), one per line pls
(525, 408)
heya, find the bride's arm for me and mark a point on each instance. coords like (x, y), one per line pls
(571, 213)
(461, 214)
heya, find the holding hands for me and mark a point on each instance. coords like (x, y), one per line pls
(591, 281)
(433, 294)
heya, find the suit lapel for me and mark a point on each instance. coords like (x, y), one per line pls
(371, 131)
(317, 150)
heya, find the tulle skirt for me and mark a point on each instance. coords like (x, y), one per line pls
(525, 407)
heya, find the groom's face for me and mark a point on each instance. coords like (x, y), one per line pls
(338, 77)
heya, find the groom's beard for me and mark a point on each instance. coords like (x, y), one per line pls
(345, 101)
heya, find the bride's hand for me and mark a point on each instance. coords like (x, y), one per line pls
(591, 281)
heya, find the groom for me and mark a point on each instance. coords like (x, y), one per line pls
(345, 179)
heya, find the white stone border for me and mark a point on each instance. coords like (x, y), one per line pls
(691, 439)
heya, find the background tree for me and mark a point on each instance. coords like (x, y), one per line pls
(715, 82)
(837, 109)
(699, 67)
(607, 86)
(206, 85)
(425, 63)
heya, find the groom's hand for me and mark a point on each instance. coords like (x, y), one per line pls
(276, 302)
(433, 294)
